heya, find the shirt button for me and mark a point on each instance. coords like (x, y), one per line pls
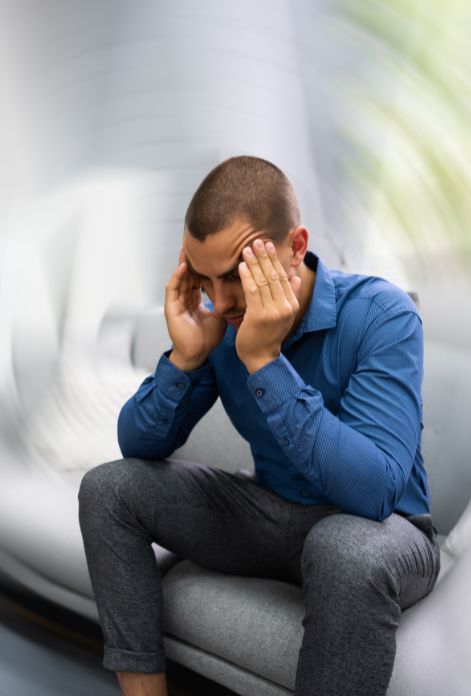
(260, 392)
(285, 441)
(180, 385)
(304, 492)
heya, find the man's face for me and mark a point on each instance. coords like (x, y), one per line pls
(215, 263)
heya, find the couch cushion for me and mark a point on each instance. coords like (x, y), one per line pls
(433, 639)
(256, 624)
(251, 622)
(447, 459)
(459, 539)
(237, 679)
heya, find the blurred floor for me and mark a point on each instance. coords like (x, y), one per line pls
(48, 651)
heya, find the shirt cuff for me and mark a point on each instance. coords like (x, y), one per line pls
(172, 382)
(275, 383)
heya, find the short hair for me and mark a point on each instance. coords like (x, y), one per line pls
(243, 187)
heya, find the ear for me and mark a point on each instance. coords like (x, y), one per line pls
(299, 242)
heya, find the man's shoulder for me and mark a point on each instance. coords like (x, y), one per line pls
(371, 312)
(370, 293)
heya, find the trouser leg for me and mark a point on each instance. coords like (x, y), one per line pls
(221, 521)
(358, 575)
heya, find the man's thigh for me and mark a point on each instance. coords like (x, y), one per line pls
(393, 553)
(215, 518)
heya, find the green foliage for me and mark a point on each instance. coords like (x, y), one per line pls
(410, 115)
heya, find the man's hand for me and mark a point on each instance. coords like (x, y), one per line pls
(194, 330)
(272, 304)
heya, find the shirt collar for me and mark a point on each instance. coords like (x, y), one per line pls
(321, 312)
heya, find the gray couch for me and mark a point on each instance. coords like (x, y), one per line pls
(258, 654)
(73, 427)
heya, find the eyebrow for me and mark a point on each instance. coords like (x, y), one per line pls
(219, 277)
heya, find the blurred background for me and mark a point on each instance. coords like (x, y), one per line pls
(111, 114)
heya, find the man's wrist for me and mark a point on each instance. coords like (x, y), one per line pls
(255, 363)
(185, 364)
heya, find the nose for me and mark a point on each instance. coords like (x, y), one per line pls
(225, 300)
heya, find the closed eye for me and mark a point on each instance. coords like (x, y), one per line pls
(228, 279)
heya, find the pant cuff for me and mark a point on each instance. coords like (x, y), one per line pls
(119, 660)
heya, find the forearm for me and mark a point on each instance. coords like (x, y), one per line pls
(159, 417)
(351, 469)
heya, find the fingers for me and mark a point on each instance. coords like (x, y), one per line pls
(192, 289)
(253, 297)
(182, 285)
(193, 294)
(285, 282)
(269, 275)
(258, 276)
(174, 285)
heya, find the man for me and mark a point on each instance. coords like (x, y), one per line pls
(321, 372)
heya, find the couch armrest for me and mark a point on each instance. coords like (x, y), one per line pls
(245, 473)
(434, 640)
(116, 331)
(151, 337)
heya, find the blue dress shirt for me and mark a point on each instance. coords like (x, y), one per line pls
(335, 419)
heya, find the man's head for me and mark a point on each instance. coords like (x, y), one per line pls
(242, 199)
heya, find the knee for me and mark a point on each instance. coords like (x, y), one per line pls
(98, 482)
(342, 550)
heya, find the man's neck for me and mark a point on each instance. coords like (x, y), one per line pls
(308, 281)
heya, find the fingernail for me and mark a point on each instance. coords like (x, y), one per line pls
(248, 251)
(259, 244)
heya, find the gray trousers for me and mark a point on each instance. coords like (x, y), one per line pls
(357, 574)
